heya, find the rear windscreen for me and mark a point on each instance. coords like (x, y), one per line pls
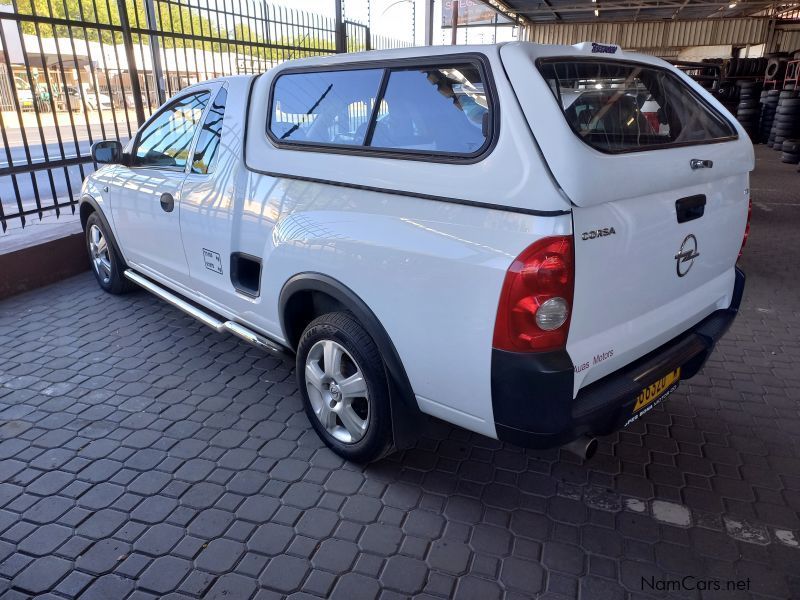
(624, 107)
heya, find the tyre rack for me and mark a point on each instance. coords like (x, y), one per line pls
(792, 73)
(696, 70)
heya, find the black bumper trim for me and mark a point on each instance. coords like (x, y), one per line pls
(528, 390)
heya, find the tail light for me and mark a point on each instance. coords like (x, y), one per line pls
(536, 300)
(746, 227)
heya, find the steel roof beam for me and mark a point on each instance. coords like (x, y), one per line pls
(677, 10)
(640, 6)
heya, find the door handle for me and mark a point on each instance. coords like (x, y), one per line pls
(699, 163)
(690, 208)
(167, 202)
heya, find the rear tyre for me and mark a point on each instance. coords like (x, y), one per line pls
(343, 383)
(104, 260)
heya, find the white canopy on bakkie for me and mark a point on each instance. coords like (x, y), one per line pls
(657, 165)
(585, 148)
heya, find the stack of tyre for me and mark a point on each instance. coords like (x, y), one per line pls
(769, 105)
(790, 151)
(728, 94)
(776, 66)
(748, 112)
(786, 125)
(745, 67)
(710, 74)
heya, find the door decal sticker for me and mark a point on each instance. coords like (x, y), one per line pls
(212, 261)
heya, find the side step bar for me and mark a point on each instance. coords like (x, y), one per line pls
(216, 324)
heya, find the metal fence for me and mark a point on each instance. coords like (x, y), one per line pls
(76, 71)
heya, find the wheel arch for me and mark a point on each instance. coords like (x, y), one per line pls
(302, 298)
(89, 205)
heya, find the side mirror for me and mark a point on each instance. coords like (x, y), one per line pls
(107, 152)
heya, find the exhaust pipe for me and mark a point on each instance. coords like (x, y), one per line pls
(584, 447)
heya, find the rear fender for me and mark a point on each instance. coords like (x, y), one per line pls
(406, 415)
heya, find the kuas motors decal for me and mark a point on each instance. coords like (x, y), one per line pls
(596, 359)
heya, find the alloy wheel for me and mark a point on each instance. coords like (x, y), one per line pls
(337, 391)
(100, 254)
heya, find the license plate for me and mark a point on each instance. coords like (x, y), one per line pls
(654, 394)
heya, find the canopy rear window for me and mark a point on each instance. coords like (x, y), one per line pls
(624, 107)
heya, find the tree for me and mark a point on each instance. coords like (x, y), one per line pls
(174, 22)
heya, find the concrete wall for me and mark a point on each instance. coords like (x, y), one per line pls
(42, 264)
(698, 53)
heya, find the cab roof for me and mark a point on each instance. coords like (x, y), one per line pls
(588, 48)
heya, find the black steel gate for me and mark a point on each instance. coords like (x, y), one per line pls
(357, 36)
(76, 71)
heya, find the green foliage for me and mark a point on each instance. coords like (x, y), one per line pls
(172, 18)
(102, 12)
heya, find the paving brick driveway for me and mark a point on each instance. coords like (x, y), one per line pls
(143, 455)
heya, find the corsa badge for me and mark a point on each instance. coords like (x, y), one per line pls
(596, 233)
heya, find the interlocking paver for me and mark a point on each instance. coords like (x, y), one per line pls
(335, 555)
(42, 574)
(103, 556)
(230, 586)
(142, 455)
(404, 574)
(284, 573)
(164, 574)
(43, 540)
(158, 539)
(317, 523)
(356, 587)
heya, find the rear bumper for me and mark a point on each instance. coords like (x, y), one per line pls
(532, 393)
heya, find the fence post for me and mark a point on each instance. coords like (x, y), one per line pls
(454, 37)
(368, 43)
(133, 71)
(155, 49)
(341, 32)
(428, 22)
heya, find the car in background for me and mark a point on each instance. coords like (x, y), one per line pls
(38, 95)
(76, 99)
(24, 93)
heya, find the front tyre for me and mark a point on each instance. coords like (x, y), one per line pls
(342, 379)
(107, 265)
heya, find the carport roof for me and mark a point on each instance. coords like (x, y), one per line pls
(549, 11)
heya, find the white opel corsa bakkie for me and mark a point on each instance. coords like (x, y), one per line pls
(498, 236)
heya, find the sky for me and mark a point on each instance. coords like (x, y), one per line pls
(394, 18)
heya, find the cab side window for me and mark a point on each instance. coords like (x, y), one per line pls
(167, 140)
(443, 109)
(428, 109)
(207, 148)
(324, 107)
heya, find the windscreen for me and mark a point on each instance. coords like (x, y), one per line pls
(625, 107)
